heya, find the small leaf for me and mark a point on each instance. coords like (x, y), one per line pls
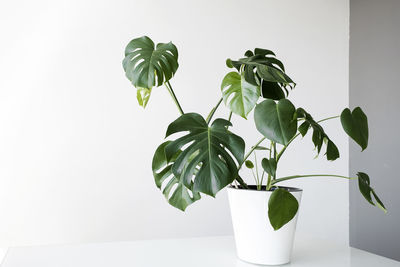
(332, 152)
(238, 94)
(143, 96)
(249, 164)
(282, 207)
(303, 128)
(229, 63)
(276, 120)
(355, 124)
(366, 190)
(269, 166)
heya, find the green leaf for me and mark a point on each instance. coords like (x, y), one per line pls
(143, 96)
(366, 190)
(276, 121)
(318, 136)
(355, 124)
(206, 161)
(282, 207)
(147, 65)
(272, 90)
(176, 193)
(249, 164)
(262, 67)
(239, 95)
(269, 166)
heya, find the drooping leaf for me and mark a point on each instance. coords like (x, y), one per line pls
(147, 65)
(238, 94)
(318, 136)
(366, 190)
(206, 160)
(276, 121)
(143, 96)
(355, 124)
(272, 90)
(282, 207)
(262, 67)
(176, 193)
(269, 166)
(249, 164)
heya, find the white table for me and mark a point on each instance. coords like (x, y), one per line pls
(194, 252)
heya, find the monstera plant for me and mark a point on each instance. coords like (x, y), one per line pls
(208, 156)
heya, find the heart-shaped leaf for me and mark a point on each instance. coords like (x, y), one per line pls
(276, 121)
(366, 190)
(319, 135)
(206, 161)
(239, 95)
(355, 124)
(269, 166)
(147, 65)
(176, 193)
(282, 207)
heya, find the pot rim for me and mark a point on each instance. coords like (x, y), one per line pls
(254, 188)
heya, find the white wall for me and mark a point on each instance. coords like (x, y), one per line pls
(76, 149)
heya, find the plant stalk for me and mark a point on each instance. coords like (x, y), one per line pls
(212, 112)
(251, 151)
(309, 175)
(171, 92)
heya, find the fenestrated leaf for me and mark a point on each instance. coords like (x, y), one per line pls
(238, 94)
(318, 136)
(355, 124)
(269, 166)
(206, 160)
(147, 65)
(282, 207)
(176, 193)
(366, 190)
(143, 96)
(276, 121)
(262, 67)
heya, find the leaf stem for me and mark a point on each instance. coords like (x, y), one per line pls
(330, 118)
(309, 175)
(171, 92)
(212, 112)
(251, 151)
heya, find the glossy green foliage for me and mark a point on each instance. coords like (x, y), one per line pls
(239, 95)
(355, 124)
(249, 164)
(319, 136)
(147, 65)
(206, 161)
(261, 67)
(171, 185)
(276, 121)
(282, 207)
(269, 166)
(367, 191)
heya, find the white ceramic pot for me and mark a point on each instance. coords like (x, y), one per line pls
(256, 240)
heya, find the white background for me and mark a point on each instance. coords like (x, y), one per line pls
(76, 149)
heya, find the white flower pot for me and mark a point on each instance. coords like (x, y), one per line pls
(256, 240)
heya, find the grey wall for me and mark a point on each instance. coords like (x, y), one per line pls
(375, 86)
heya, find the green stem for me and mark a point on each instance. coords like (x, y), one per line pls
(251, 151)
(330, 118)
(171, 92)
(258, 177)
(309, 175)
(241, 182)
(212, 112)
